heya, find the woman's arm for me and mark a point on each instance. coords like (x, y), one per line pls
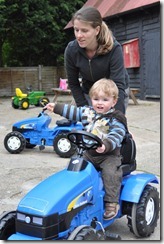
(117, 74)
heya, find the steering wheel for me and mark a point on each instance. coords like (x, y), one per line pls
(44, 109)
(84, 139)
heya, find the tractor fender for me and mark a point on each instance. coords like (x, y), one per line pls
(134, 184)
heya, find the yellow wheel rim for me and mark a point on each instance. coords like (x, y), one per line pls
(25, 105)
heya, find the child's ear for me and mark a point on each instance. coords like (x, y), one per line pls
(114, 101)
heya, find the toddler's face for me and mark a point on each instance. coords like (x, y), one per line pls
(102, 103)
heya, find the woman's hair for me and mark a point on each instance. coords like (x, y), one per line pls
(92, 15)
(107, 86)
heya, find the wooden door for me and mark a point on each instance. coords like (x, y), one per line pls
(151, 62)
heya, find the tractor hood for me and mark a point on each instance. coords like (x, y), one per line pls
(33, 123)
(61, 192)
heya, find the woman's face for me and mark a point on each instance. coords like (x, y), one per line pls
(86, 34)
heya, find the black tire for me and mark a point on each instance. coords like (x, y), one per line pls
(7, 225)
(29, 145)
(14, 142)
(43, 101)
(14, 105)
(24, 104)
(63, 147)
(84, 233)
(37, 105)
(144, 215)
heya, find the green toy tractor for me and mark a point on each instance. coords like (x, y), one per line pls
(24, 100)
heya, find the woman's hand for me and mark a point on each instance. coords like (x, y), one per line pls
(101, 149)
(50, 106)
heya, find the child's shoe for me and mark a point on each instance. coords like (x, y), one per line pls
(111, 210)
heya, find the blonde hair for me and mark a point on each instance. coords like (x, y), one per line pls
(92, 16)
(107, 86)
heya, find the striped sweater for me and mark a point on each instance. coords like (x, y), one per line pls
(110, 130)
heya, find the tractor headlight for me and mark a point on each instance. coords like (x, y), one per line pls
(30, 219)
(37, 220)
(21, 216)
(43, 227)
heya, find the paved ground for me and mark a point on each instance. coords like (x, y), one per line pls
(19, 173)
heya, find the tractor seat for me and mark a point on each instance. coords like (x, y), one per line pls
(63, 122)
(19, 93)
(128, 153)
(128, 168)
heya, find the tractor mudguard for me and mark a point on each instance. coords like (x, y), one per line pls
(133, 186)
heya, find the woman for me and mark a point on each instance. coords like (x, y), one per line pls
(93, 55)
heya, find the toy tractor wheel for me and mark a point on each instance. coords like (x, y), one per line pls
(43, 101)
(84, 233)
(14, 105)
(145, 214)
(63, 147)
(14, 142)
(7, 225)
(24, 104)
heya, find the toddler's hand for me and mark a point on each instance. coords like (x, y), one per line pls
(50, 106)
(101, 149)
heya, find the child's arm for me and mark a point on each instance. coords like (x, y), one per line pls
(115, 136)
(68, 111)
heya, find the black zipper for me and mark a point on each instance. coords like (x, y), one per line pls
(90, 69)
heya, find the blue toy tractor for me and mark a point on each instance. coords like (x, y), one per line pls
(68, 205)
(31, 132)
